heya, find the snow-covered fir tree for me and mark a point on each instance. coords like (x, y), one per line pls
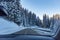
(38, 22)
(20, 15)
(46, 22)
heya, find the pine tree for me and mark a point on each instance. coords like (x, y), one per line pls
(30, 18)
(33, 19)
(46, 22)
(38, 22)
(14, 11)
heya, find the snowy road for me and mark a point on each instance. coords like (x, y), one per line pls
(7, 27)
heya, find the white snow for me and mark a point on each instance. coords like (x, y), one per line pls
(7, 27)
(56, 28)
(46, 31)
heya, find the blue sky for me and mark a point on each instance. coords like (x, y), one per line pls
(40, 7)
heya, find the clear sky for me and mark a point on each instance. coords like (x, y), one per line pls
(40, 7)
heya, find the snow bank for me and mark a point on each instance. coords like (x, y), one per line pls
(7, 27)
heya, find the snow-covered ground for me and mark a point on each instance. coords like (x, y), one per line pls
(8, 27)
(52, 32)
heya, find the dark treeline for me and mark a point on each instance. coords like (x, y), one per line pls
(25, 18)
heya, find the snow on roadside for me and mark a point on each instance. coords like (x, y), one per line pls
(7, 27)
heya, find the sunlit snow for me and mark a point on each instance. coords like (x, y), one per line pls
(7, 27)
